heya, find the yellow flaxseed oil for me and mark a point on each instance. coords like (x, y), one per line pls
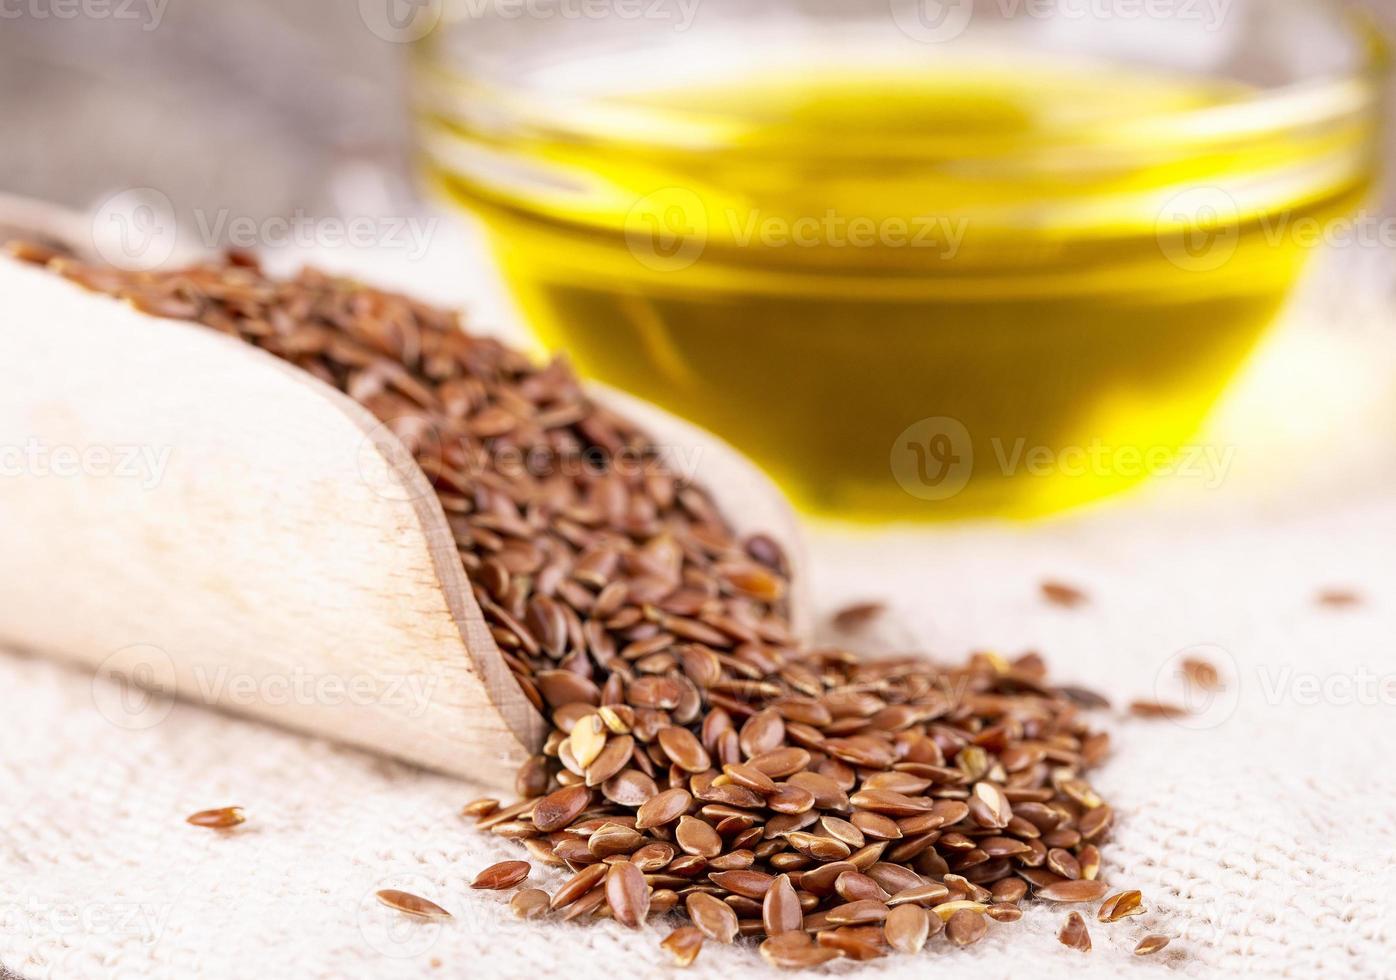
(906, 293)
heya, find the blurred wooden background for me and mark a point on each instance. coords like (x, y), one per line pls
(257, 106)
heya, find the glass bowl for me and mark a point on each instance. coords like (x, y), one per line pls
(917, 259)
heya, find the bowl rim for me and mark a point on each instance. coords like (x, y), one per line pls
(1352, 92)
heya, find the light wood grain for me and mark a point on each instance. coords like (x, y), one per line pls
(270, 542)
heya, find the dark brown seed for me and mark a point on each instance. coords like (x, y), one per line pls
(966, 927)
(532, 778)
(780, 909)
(220, 819)
(479, 808)
(1150, 944)
(683, 945)
(628, 894)
(529, 903)
(684, 750)
(1009, 890)
(854, 886)
(613, 839)
(1201, 674)
(714, 919)
(749, 884)
(791, 799)
(1074, 933)
(578, 885)
(664, 808)
(696, 837)
(1089, 860)
(1096, 822)
(652, 856)
(629, 787)
(795, 951)
(559, 809)
(907, 928)
(1060, 594)
(858, 943)
(819, 848)
(750, 777)
(611, 760)
(1063, 863)
(1120, 906)
(413, 905)
(1004, 912)
(857, 616)
(1156, 709)
(1073, 891)
(927, 895)
(858, 913)
(505, 874)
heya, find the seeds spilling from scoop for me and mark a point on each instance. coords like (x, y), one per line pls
(701, 760)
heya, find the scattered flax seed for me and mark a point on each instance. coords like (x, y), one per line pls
(1201, 674)
(529, 903)
(1150, 944)
(1075, 934)
(858, 616)
(411, 904)
(1121, 906)
(1156, 709)
(1073, 891)
(220, 819)
(505, 874)
(1339, 598)
(701, 759)
(479, 808)
(683, 945)
(1060, 594)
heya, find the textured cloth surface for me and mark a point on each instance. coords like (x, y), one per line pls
(1262, 829)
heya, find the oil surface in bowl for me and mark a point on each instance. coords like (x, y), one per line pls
(909, 293)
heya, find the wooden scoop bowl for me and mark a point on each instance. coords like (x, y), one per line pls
(183, 510)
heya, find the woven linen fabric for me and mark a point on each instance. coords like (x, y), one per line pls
(1261, 828)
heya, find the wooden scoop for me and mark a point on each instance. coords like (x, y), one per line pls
(183, 510)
